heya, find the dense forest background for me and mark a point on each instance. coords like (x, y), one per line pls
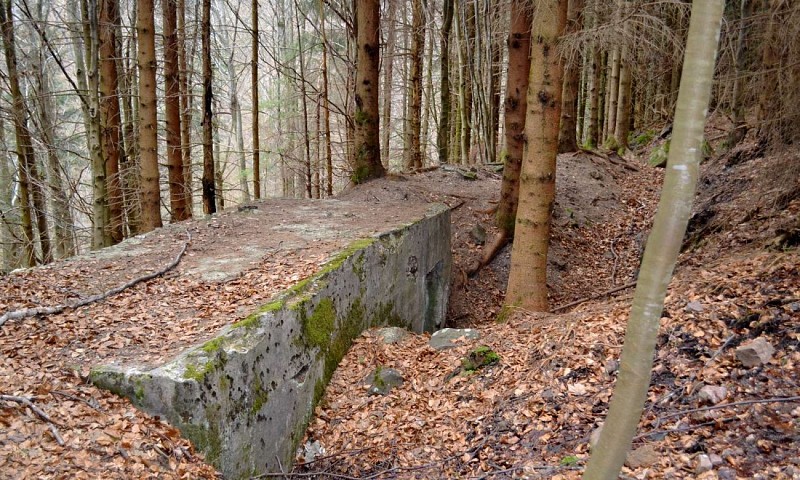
(118, 116)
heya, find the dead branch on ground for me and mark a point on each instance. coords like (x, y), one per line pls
(32, 312)
(39, 413)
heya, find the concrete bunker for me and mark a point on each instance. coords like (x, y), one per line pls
(245, 397)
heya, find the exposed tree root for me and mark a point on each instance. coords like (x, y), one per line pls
(490, 253)
(32, 312)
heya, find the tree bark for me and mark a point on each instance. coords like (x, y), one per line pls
(209, 189)
(110, 121)
(388, 77)
(443, 135)
(527, 281)
(326, 103)
(184, 81)
(254, 108)
(148, 140)
(613, 93)
(21, 133)
(663, 244)
(569, 103)
(172, 114)
(413, 154)
(367, 161)
(739, 125)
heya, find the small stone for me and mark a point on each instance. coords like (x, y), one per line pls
(703, 464)
(382, 380)
(643, 456)
(478, 234)
(694, 307)
(794, 307)
(391, 335)
(445, 337)
(712, 394)
(726, 473)
(716, 460)
(611, 366)
(755, 353)
(596, 175)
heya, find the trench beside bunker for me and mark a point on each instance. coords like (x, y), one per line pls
(245, 397)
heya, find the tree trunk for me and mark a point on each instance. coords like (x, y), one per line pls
(569, 103)
(326, 104)
(613, 93)
(413, 154)
(110, 122)
(663, 244)
(388, 77)
(209, 190)
(184, 81)
(465, 89)
(623, 120)
(527, 281)
(443, 135)
(737, 108)
(8, 242)
(516, 102)
(367, 161)
(308, 180)
(172, 114)
(148, 128)
(24, 147)
(519, 66)
(254, 92)
(129, 162)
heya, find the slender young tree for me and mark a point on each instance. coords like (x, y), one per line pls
(326, 103)
(172, 114)
(367, 151)
(527, 280)
(22, 135)
(148, 139)
(184, 78)
(209, 187)
(568, 141)
(110, 118)
(663, 244)
(388, 77)
(413, 154)
(254, 93)
(443, 135)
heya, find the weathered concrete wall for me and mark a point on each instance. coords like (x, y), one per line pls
(245, 397)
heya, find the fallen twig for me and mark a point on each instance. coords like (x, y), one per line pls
(594, 297)
(77, 399)
(683, 429)
(39, 413)
(32, 312)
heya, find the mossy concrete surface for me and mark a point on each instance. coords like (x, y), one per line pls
(245, 397)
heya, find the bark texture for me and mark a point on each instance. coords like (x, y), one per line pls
(527, 282)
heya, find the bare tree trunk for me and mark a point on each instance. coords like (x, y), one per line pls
(254, 92)
(308, 180)
(184, 81)
(413, 154)
(527, 281)
(8, 242)
(468, 37)
(326, 103)
(519, 66)
(444, 135)
(22, 135)
(569, 108)
(110, 122)
(613, 93)
(388, 77)
(595, 80)
(663, 245)
(172, 114)
(367, 151)
(623, 120)
(129, 162)
(209, 190)
(148, 141)
(739, 125)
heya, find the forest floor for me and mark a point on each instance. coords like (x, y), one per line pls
(529, 415)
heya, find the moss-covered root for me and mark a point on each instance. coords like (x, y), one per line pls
(477, 359)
